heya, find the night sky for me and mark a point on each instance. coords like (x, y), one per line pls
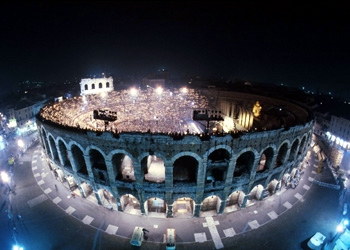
(296, 44)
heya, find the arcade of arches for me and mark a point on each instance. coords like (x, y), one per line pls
(121, 182)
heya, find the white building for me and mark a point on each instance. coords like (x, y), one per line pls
(96, 85)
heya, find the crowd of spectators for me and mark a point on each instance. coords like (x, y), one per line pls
(149, 110)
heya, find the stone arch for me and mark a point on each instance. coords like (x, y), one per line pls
(107, 199)
(78, 159)
(71, 182)
(255, 194)
(302, 145)
(266, 159)
(88, 191)
(282, 154)
(234, 201)
(210, 206)
(98, 165)
(185, 166)
(273, 186)
(217, 165)
(152, 167)
(185, 169)
(155, 207)
(130, 204)
(227, 148)
(122, 172)
(183, 207)
(245, 162)
(294, 150)
(53, 148)
(123, 167)
(65, 158)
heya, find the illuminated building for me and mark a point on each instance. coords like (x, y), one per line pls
(154, 159)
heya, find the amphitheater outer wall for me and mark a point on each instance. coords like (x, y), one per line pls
(70, 150)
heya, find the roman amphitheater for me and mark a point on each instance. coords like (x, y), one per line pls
(173, 152)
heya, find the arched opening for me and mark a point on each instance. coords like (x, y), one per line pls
(99, 167)
(185, 170)
(265, 160)
(217, 166)
(293, 150)
(88, 192)
(281, 156)
(71, 183)
(183, 208)
(155, 207)
(210, 206)
(234, 201)
(79, 161)
(153, 168)
(107, 199)
(273, 186)
(130, 204)
(64, 154)
(244, 164)
(302, 145)
(53, 149)
(59, 174)
(122, 165)
(255, 195)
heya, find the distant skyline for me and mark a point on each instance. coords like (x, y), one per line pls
(297, 44)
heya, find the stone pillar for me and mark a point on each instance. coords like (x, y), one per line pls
(197, 209)
(222, 207)
(170, 211)
(140, 197)
(115, 193)
(60, 158)
(98, 197)
(89, 167)
(244, 202)
(72, 163)
(82, 193)
(169, 187)
(110, 171)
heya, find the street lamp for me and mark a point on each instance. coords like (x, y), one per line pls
(20, 143)
(6, 179)
(340, 230)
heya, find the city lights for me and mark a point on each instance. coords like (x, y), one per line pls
(20, 143)
(17, 247)
(5, 177)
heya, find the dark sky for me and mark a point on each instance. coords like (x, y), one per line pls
(296, 44)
